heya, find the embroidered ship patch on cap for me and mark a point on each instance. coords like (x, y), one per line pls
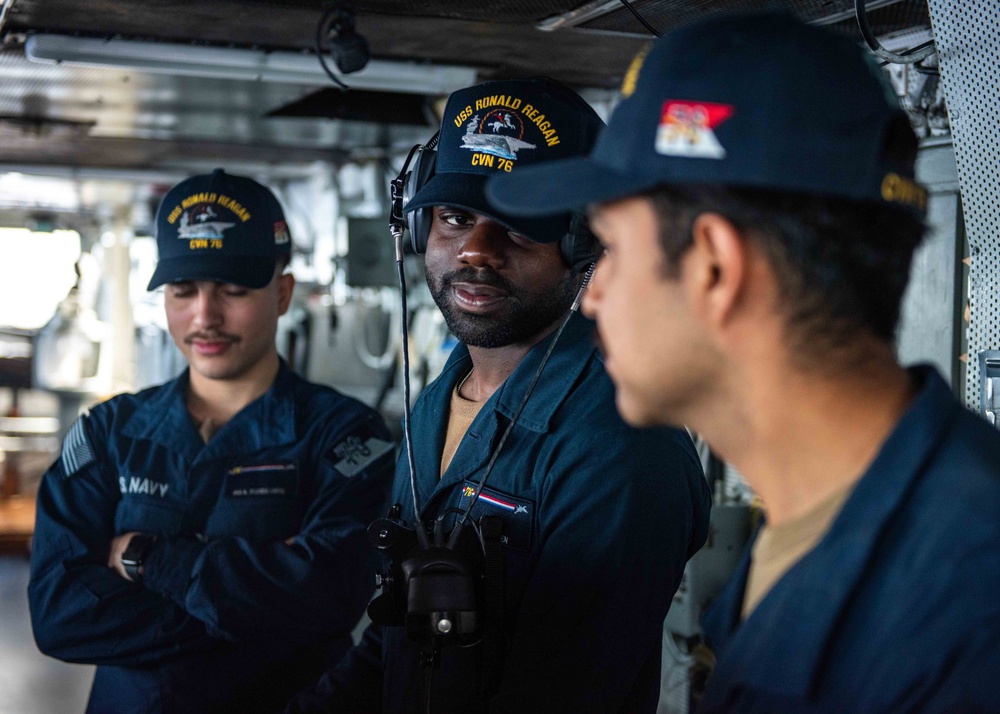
(687, 129)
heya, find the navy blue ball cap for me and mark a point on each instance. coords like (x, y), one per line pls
(762, 101)
(220, 227)
(502, 127)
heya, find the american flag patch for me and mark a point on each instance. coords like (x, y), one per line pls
(76, 451)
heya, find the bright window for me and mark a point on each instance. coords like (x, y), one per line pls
(36, 272)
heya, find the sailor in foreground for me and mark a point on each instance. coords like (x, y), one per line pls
(755, 194)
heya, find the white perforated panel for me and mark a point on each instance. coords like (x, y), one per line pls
(967, 34)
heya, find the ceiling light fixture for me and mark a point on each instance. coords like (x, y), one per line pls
(240, 64)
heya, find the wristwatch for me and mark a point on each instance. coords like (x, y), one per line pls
(136, 553)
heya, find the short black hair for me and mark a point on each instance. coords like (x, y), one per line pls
(842, 266)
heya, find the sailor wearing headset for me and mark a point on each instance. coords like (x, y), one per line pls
(597, 518)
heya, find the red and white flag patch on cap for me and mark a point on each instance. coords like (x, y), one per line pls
(686, 129)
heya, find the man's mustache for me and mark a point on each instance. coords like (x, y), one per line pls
(210, 337)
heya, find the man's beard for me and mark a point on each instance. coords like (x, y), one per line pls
(517, 322)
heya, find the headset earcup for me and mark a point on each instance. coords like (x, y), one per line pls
(579, 247)
(418, 222)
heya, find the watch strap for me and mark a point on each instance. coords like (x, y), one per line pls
(136, 553)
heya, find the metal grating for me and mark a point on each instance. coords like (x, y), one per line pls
(666, 15)
(268, 23)
(969, 56)
(500, 11)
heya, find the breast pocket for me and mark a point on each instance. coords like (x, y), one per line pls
(258, 502)
(518, 514)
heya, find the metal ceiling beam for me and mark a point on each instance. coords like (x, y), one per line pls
(124, 152)
(241, 64)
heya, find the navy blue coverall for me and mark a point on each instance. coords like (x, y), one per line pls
(599, 520)
(897, 609)
(229, 617)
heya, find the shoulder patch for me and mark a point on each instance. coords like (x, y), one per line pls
(76, 450)
(352, 455)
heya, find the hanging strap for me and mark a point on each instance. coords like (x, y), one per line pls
(491, 528)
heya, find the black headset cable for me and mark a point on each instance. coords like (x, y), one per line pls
(396, 227)
(911, 57)
(639, 17)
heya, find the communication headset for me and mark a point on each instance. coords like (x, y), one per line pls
(579, 247)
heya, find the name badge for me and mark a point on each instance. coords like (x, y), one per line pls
(262, 480)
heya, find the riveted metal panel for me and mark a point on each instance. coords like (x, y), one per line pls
(967, 34)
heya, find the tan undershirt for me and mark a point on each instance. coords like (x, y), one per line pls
(208, 428)
(463, 412)
(778, 548)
